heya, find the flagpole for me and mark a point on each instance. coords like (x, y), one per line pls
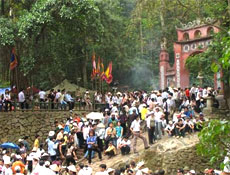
(16, 76)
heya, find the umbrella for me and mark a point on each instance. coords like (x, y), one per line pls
(9, 145)
(95, 116)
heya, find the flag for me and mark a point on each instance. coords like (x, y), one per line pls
(94, 72)
(102, 70)
(13, 60)
(108, 74)
(99, 66)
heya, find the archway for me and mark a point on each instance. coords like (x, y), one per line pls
(198, 76)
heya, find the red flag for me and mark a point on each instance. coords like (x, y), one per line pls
(94, 72)
(13, 60)
(99, 66)
(108, 74)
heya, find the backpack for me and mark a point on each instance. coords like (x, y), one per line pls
(152, 123)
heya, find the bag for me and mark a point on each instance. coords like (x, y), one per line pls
(152, 123)
(108, 138)
(95, 146)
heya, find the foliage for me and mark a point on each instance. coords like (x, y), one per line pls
(215, 141)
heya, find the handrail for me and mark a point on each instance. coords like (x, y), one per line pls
(53, 106)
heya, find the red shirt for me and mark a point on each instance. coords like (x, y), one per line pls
(187, 93)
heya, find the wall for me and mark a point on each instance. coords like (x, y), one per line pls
(16, 125)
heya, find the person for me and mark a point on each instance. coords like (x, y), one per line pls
(180, 129)
(51, 148)
(158, 119)
(21, 99)
(125, 146)
(111, 150)
(150, 121)
(170, 129)
(42, 95)
(70, 101)
(19, 163)
(36, 142)
(72, 170)
(180, 171)
(189, 126)
(51, 98)
(92, 145)
(7, 170)
(119, 130)
(102, 171)
(80, 169)
(7, 100)
(110, 135)
(136, 131)
(71, 156)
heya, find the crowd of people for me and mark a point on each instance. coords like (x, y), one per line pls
(169, 113)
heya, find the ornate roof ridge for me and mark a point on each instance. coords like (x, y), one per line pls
(197, 23)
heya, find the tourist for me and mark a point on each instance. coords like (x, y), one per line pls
(180, 171)
(92, 145)
(158, 119)
(51, 98)
(111, 150)
(21, 99)
(110, 135)
(136, 131)
(170, 129)
(36, 142)
(7, 170)
(102, 171)
(42, 96)
(180, 128)
(72, 170)
(80, 169)
(125, 146)
(150, 122)
(7, 100)
(119, 130)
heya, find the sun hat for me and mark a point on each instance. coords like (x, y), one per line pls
(72, 168)
(101, 125)
(18, 157)
(140, 164)
(17, 168)
(192, 172)
(51, 133)
(109, 170)
(55, 167)
(47, 163)
(7, 161)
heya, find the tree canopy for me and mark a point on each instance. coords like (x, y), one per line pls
(55, 39)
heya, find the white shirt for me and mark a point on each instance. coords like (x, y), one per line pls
(158, 116)
(81, 172)
(170, 128)
(139, 172)
(85, 131)
(136, 125)
(58, 95)
(102, 173)
(42, 95)
(7, 171)
(148, 120)
(21, 97)
(123, 142)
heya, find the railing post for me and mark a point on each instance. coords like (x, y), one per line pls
(15, 106)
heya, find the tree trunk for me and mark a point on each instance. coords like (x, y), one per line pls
(2, 7)
(84, 70)
(229, 8)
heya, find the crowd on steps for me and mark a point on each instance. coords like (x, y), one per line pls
(126, 117)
